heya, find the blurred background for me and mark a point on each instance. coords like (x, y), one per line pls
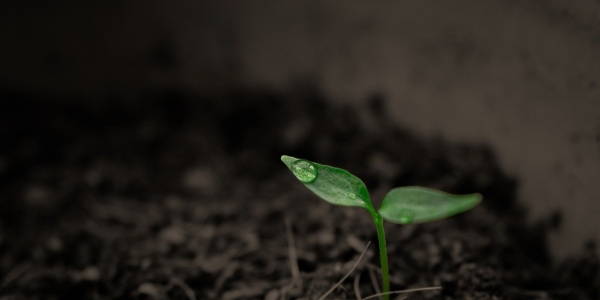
(522, 76)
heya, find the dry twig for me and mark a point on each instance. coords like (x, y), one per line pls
(356, 287)
(434, 288)
(374, 281)
(348, 274)
(293, 255)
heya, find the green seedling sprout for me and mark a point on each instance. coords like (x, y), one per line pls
(403, 205)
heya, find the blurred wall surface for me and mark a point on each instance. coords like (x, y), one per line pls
(521, 75)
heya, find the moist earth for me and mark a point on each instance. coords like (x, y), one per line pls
(183, 196)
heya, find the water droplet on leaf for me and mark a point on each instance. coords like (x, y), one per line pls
(352, 196)
(305, 171)
(406, 216)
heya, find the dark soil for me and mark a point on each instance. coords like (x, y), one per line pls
(184, 197)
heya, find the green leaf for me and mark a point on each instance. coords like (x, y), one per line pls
(414, 204)
(333, 185)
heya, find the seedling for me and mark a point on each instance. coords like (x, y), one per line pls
(403, 205)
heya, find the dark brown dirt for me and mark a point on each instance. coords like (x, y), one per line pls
(186, 198)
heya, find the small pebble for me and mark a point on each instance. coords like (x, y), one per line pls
(200, 179)
(37, 196)
(325, 237)
(145, 264)
(90, 273)
(272, 295)
(54, 244)
(172, 235)
(150, 290)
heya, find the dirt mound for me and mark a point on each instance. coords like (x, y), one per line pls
(185, 197)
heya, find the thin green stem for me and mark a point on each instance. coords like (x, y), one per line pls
(385, 277)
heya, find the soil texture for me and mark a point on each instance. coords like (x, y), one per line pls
(184, 197)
